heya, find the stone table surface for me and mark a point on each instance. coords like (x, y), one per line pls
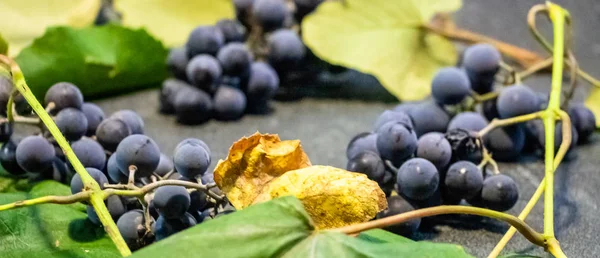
(325, 126)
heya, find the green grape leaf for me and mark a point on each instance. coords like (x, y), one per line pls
(50, 230)
(3, 46)
(100, 60)
(593, 103)
(172, 21)
(382, 236)
(383, 38)
(282, 228)
(25, 20)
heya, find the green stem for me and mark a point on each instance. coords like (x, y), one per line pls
(97, 196)
(557, 16)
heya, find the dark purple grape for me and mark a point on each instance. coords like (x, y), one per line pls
(204, 40)
(94, 115)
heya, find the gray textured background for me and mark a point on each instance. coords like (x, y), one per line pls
(326, 126)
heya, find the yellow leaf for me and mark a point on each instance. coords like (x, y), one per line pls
(253, 162)
(24, 20)
(261, 167)
(383, 38)
(172, 20)
(593, 103)
(333, 197)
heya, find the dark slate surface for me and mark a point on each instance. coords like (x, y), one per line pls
(325, 127)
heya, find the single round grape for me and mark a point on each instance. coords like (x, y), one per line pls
(90, 153)
(94, 115)
(131, 119)
(116, 209)
(191, 160)
(397, 205)
(270, 14)
(435, 148)
(304, 7)
(450, 86)
(34, 154)
(114, 173)
(285, 49)
(170, 88)
(362, 142)
(235, 59)
(499, 192)
(171, 201)
(140, 151)
(72, 123)
(481, 62)
(429, 117)
(97, 175)
(111, 132)
(165, 165)
(204, 40)
(204, 71)
(517, 100)
(6, 87)
(195, 142)
(262, 84)
(8, 158)
(232, 30)
(469, 121)
(131, 227)
(417, 178)
(368, 163)
(193, 106)
(390, 115)
(505, 143)
(463, 179)
(177, 61)
(63, 95)
(165, 227)
(465, 145)
(229, 103)
(396, 142)
(583, 120)
(6, 131)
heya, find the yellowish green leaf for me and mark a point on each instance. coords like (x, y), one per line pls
(3, 46)
(593, 103)
(262, 167)
(24, 20)
(173, 20)
(383, 38)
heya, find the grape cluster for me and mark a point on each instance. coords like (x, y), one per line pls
(234, 67)
(430, 152)
(114, 151)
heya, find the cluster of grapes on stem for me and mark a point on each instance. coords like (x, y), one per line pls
(169, 194)
(443, 150)
(234, 67)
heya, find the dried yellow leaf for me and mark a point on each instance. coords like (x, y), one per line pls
(253, 162)
(333, 197)
(262, 167)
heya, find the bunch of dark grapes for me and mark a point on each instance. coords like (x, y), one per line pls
(110, 148)
(234, 67)
(429, 153)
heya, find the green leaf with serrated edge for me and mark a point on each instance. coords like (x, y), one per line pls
(593, 103)
(50, 230)
(383, 38)
(382, 236)
(281, 228)
(100, 60)
(172, 21)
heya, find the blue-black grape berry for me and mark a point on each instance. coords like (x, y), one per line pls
(90, 153)
(285, 49)
(481, 62)
(469, 121)
(397, 205)
(204, 40)
(97, 175)
(434, 147)
(463, 180)
(191, 159)
(235, 59)
(177, 61)
(429, 117)
(396, 142)
(193, 106)
(229, 103)
(131, 119)
(72, 123)
(360, 143)
(262, 84)
(450, 86)
(232, 30)
(505, 143)
(165, 227)
(115, 175)
(170, 88)
(583, 120)
(8, 158)
(94, 115)
(140, 151)
(171, 201)
(164, 166)
(270, 14)
(417, 179)
(204, 72)
(131, 226)
(517, 100)
(368, 163)
(111, 132)
(34, 154)
(499, 192)
(63, 95)
(391, 115)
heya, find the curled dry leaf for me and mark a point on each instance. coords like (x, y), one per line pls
(262, 167)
